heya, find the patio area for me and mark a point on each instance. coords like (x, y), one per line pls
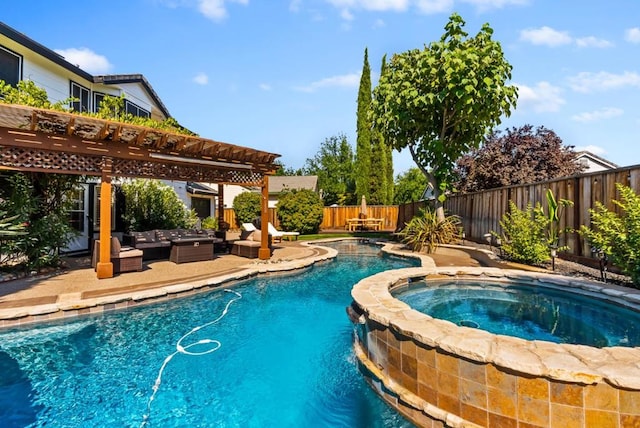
(76, 290)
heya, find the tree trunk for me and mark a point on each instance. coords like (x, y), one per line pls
(439, 206)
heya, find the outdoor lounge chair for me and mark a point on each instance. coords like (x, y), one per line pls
(124, 259)
(279, 234)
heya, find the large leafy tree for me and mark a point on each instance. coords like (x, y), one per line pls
(363, 165)
(441, 101)
(410, 186)
(517, 156)
(334, 166)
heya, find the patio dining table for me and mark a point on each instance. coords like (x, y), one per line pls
(354, 224)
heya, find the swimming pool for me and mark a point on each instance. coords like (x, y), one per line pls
(285, 359)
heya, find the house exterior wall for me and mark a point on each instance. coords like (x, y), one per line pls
(46, 71)
(592, 166)
(56, 80)
(230, 193)
(180, 187)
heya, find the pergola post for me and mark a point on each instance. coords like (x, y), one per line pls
(220, 205)
(264, 253)
(104, 267)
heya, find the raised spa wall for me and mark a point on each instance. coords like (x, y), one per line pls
(441, 375)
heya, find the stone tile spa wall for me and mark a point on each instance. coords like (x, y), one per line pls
(441, 375)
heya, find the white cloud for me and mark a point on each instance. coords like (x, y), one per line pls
(545, 36)
(596, 150)
(593, 42)
(589, 82)
(632, 35)
(592, 116)
(423, 6)
(343, 81)
(86, 59)
(346, 15)
(544, 97)
(379, 23)
(201, 79)
(215, 9)
(553, 38)
(265, 86)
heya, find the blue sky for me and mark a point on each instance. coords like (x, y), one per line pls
(283, 75)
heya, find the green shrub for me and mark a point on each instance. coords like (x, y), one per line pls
(524, 234)
(616, 235)
(426, 232)
(247, 206)
(300, 211)
(151, 204)
(38, 202)
(210, 223)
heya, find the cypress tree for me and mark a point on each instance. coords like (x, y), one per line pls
(381, 180)
(387, 152)
(363, 129)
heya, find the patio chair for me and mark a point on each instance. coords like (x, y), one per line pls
(279, 234)
(247, 229)
(124, 259)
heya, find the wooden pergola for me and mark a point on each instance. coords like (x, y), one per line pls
(40, 140)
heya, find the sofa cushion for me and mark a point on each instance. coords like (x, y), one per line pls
(247, 243)
(143, 237)
(166, 235)
(115, 247)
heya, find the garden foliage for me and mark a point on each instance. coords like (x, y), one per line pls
(425, 231)
(525, 234)
(300, 211)
(247, 206)
(618, 235)
(37, 202)
(151, 204)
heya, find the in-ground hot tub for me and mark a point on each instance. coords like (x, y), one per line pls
(439, 373)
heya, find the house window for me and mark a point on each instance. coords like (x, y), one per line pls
(76, 210)
(10, 66)
(97, 99)
(135, 110)
(81, 98)
(202, 207)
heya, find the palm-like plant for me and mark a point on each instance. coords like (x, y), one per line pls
(8, 226)
(425, 231)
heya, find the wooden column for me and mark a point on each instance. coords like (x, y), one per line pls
(220, 205)
(104, 267)
(264, 253)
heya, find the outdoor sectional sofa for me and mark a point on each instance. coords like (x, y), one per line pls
(178, 245)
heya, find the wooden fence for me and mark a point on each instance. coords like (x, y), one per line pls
(335, 218)
(481, 212)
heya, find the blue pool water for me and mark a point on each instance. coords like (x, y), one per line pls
(532, 313)
(285, 359)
